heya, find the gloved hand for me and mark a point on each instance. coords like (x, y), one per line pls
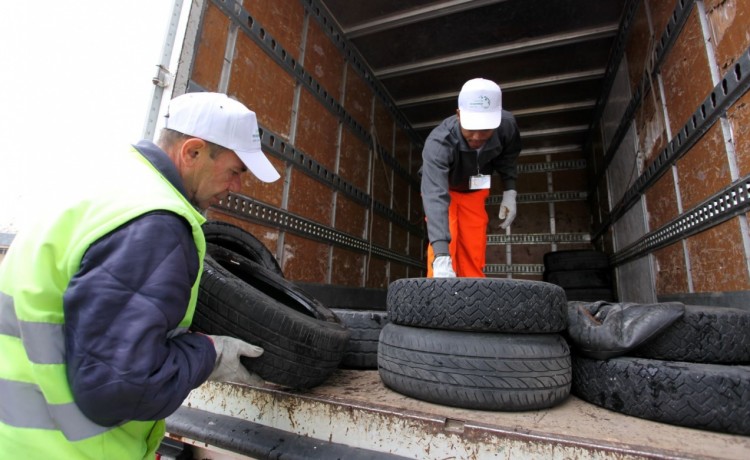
(228, 367)
(442, 267)
(507, 208)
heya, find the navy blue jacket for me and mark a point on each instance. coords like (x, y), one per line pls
(131, 291)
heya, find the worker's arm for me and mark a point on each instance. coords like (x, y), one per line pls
(121, 308)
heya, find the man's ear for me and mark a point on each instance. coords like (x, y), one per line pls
(458, 114)
(191, 150)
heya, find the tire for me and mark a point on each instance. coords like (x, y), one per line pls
(301, 346)
(578, 279)
(706, 396)
(474, 370)
(243, 243)
(703, 335)
(477, 304)
(365, 327)
(575, 259)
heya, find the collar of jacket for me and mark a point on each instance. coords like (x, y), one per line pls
(159, 159)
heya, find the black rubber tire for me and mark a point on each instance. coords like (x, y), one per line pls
(365, 327)
(243, 243)
(713, 397)
(578, 279)
(478, 304)
(703, 334)
(475, 370)
(301, 350)
(575, 259)
(590, 294)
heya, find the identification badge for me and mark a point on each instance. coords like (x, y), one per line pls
(479, 182)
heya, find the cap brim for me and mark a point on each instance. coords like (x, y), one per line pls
(259, 165)
(480, 120)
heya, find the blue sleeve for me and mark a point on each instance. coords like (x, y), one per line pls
(131, 291)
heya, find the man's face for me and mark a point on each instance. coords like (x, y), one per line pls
(476, 138)
(211, 179)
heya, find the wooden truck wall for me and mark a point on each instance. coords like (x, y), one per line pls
(669, 147)
(670, 161)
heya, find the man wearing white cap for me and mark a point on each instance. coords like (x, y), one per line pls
(458, 160)
(96, 296)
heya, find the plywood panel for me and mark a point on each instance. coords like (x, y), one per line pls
(417, 247)
(686, 75)
(304, 259)
(650, 128)
(570, 180)
(383, 127)
(377, 276)
(282, 20)
(739, 117)
(526, 183)
(530, 218)
(635, 50)
(399, 240)
(730, 22)
(209, 57)
(380, 230)
(266, 192)
(348, 267)
(717, 261)
(529, 253)
(661, 12)
(403, 153)
(317, 131)
(358, 99)
(323, 60)
(704, 170)
(572, 217)
(354, 160)
(263, 86)
(350, 216)
(310, 199)
(661, 201)
(671, 271)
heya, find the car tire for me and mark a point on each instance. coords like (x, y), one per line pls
(365, 327)
(475, 370)
(243, 243)
(478, 305)
(713, 397)
(303, 341)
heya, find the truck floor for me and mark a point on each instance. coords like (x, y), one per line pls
(354, 408)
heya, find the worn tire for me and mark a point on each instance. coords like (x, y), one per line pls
(302, 346)
(703, 335)
(575, 259)
(243, 243)
(707, 396)
(477, 304)
(365, 327)
(474, 370)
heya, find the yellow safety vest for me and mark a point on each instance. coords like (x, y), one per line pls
(38, 417)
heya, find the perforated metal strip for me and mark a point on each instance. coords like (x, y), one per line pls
(516, 269)
(283, 58)
(546, 197)
(551, 166)
(272, 143)
(733, 86)
(250, 209)
(720, 207)
(539, 238)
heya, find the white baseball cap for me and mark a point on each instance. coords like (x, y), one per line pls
(480, 103)
(217, 118)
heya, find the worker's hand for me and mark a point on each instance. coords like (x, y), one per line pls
(228, 367)
(507, 208)
(442, 267)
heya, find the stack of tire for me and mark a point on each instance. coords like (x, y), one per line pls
(476, 343)
(584, 274)
(695, 373)
(244, 294)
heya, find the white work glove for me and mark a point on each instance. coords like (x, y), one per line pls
(507, 208)
(442, 267)
(228, 367)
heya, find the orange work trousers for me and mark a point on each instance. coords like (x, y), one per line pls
(467, 222)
